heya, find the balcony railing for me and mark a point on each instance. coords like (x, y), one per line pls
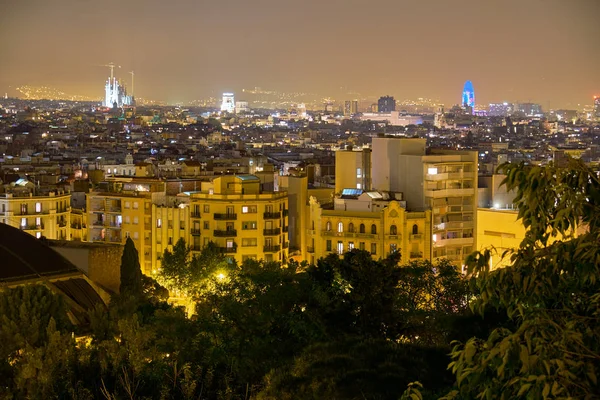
(310, 249)
(285, 213)
(272, 215)
(62, 224)
(228, 250)
(286, 228)
(195, 214)
(225, 233)
(195, 232)
(225, 217)
(271, 232)
(271, 249)
(416, 255)
(286, 245)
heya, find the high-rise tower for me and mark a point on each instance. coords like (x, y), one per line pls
(228, 104)
(468, 96)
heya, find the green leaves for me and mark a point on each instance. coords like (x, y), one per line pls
(550, 292)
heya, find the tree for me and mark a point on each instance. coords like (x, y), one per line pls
(26, 312)
(551, 292)
(175, 268)
(356, 294)
(357, 368)
(131, 272)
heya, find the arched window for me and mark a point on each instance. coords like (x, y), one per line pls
(393, 230)
(340, 227)
(351, 227)
(373, 229)
(361, 228)
(415, 229)
(328, 226)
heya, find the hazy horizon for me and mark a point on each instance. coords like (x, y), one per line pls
(543, 51)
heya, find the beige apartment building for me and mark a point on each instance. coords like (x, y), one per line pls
(37, 211)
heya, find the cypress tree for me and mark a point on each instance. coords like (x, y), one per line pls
(131, 272)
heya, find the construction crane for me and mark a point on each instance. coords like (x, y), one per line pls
(132, 74)
(112, 66)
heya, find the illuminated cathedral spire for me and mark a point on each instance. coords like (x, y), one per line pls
(115, 93)
(468, 96)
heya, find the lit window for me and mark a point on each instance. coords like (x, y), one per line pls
(358, 173)
(38, 207)
(358, 186)
(135, 205)
(244, 209)
(340, 247)
(432, 170)
(23, 222)
(38, 235)
(136, 235)
(135, 220)
(328, 226)
(340, 227)
(38, 221)
(350, 246)
(158, 223)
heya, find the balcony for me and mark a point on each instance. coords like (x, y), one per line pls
(75, 226)
(225, 217)
(366, 235)
(272, 215)
(454, 225)
(271, 249)
(228, 250)
(195, 232)
(286, 245)
(416, 255)
(393, 237)
(286, 229)
(114, 210)
(310, 249)
(225, 233)
(195, 248)
(464, 241)
(449, 176)
(285, 213)
(62, 224)
(271, 232)
(416, 236)
(195, 214)
(439, 193)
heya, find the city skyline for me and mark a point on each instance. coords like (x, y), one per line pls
(185, 51)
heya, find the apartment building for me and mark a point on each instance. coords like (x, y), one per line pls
(242, 220)
(37, 211)
(374, 221)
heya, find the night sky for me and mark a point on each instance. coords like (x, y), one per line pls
(547, 51)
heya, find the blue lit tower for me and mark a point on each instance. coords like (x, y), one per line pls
(468, 96)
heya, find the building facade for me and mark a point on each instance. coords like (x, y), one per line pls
(370, 221)
(386, 104)
(45, 214)
(244, 222)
